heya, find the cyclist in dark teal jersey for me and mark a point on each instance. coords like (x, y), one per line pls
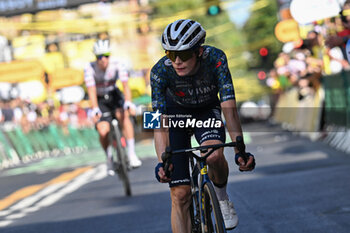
(185, 87)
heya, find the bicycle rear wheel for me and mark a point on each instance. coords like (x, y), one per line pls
(214, 221)
(122, 168)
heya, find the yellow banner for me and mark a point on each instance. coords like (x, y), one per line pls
(66, 78)
(21, 71)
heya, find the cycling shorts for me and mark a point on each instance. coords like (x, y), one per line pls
(110, 102)
(180, 138)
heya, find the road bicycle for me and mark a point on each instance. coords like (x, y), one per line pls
(205, 212)
(121, 163)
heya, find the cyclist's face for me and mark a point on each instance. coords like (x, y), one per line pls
(188, 67)
(102, 61)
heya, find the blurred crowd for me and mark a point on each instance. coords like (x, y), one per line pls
(32, 116)
(302, 64)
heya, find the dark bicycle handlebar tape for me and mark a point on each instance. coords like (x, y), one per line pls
(241, 148)
(166, 157)
(240, 144)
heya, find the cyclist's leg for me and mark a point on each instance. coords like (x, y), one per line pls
(218, 167)
(103, 126)
(180, 204)
(180, 189)
(127, 128)
(103, 129)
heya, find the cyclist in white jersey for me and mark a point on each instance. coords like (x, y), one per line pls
(100, 78)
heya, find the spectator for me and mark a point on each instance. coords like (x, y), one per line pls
(7, 112)
(342, 37)
(1, 115)
(5, 50)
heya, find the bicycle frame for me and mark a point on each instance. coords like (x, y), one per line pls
(200, 169)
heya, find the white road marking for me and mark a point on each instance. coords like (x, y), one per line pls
(50, 195)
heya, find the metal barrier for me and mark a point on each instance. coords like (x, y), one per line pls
(300, 115)
(18, 147)
(326, 112)
(337, 110)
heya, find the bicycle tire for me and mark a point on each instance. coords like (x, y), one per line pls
(212, 211)
(195, 211)
(123, 164)
(195, 215)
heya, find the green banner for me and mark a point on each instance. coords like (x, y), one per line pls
(337, 97)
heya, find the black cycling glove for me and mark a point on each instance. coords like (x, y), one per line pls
(247, 155)
(156, 170)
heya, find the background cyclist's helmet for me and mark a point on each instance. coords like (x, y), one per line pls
(183, 34)
(101, 47)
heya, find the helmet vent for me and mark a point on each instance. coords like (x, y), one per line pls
(195, 33)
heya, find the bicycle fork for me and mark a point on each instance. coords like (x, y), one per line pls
(204, 178)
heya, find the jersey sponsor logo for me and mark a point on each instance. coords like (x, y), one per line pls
(202, 90)
(223, 57)
(167, 62)
(206, 53)
(217, 113)
(155, 78)
(180, 93)
(228, 86)
(218, 64)
(180, 181)
(227, 97)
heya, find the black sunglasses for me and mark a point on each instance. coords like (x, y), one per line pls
(99, 57)
(183, 55)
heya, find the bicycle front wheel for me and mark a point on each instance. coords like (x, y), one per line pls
(195, 214)
(213, 220)
(122, 169)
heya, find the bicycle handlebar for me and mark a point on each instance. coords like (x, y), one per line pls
(167, 155)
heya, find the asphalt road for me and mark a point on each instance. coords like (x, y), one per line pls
(297, 186)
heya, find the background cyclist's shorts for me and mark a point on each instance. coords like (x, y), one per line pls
(180, 137)
(110, 103)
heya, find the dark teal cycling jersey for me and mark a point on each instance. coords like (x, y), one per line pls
(195, 91)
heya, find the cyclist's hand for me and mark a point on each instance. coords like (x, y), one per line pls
(245, 165)
(96, 114)
(160, 173)
(130, 106)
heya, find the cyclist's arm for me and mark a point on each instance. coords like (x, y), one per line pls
(124, 77)
(234, 128)
(92, 96)
(91, 85)
(227, 97)
(127, 91)
(159, 85)
(233, 123)
(161, 141)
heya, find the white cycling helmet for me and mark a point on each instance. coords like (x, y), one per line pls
(183, 34)
(101, 47)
